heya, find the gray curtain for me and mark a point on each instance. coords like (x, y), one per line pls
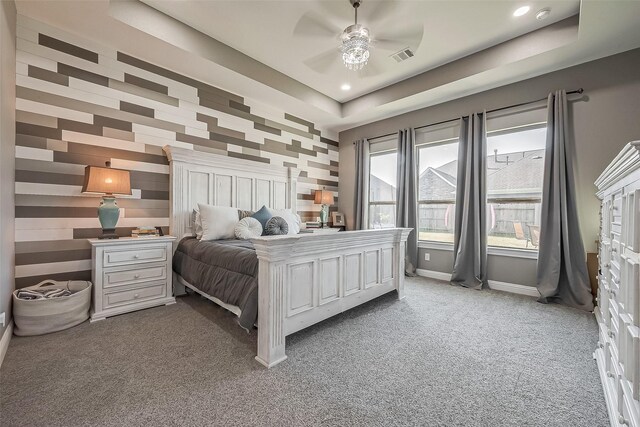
(470, 235)
(562, 268)
(406, 195)
(361, 221)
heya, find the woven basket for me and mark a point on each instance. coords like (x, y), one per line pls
(42, 316)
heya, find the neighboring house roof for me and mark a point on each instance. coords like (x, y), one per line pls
(381, 190)
(442, 185)
(521, 175)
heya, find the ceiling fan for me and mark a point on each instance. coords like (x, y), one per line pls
(356, 48)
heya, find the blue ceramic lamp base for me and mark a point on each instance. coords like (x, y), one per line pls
(108, 214)
(324, 215)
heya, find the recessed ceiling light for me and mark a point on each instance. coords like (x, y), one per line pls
(543, 13)
(521, 11)
(345, 86)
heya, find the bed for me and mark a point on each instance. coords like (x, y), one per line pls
(300, 279)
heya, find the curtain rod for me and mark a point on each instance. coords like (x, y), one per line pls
(578, 91)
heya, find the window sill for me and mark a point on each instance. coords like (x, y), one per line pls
(512, 252)
(443, 246)
(491, 250)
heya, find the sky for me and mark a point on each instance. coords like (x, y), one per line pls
(384, 166)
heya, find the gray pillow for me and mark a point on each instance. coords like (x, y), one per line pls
(276, 226)
(243, 214)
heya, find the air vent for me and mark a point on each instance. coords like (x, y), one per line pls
(403, 55)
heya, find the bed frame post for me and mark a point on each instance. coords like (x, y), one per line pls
(399, 267)
(271, 308)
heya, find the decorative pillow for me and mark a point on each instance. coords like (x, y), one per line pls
(196, 222)
(263, 215)
(244, 214)
(276, 226)
(218, 222)
(248, 228)
(293, 220)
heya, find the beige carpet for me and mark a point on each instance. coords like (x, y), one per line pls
(444, 356)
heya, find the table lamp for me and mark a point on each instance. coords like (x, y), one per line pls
(324, 198)
(107, 181)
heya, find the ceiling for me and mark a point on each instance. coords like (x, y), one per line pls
(248, 47)
(449, 30)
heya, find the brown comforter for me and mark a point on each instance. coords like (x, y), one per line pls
(225, 269)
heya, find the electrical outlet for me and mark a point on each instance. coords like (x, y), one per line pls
(427, 256)
(2, 320)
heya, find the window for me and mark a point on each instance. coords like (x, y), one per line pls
(382, 190)
(437, 167)
(515, 166)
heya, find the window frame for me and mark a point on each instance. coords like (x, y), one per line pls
(530, 253)
(438, 244)
(377, 203)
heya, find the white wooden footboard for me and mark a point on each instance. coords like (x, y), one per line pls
(306, 278)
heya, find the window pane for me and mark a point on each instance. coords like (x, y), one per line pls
(382, 180)
(515, 167)
(436, 222)
(437, 185)
(382, 216)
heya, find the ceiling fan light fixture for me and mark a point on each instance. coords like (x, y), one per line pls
(355, 46)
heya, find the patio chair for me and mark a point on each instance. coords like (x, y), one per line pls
(519, 230)
(534, 234)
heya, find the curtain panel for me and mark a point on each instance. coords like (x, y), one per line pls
(470, 232)
(361, 220)
(562, 268)
(406, 195)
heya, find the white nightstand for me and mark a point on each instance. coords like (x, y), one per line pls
(130, 273)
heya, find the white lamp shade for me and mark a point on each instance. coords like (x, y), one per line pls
(106, 180)
(323, 197)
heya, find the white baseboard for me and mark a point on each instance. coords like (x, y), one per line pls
(438, 275)
(514, 288)
(493, 284)
(4, 342)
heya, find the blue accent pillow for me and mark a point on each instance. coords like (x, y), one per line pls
(263, 215)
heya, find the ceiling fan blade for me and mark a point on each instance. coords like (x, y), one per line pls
(324, 61)
(374, 11)
(337, 10)
(312, 25)
(369, 70)
(411, 37)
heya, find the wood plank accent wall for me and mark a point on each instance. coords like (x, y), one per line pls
(80, 103)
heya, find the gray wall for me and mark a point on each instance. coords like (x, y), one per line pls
(7, 152)
(602, 123)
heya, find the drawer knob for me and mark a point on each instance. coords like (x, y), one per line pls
(607, 265)
(136, 276)
(623, 421)
(136, 256)
(616, 281)
(609, 374)
(136, 295)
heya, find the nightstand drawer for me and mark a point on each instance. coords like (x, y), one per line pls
(147, 292)
(125, 277)
(113, 257)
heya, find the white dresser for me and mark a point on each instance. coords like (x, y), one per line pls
(131, 273)
(618, 309)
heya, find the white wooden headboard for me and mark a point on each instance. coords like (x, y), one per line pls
(214, 179)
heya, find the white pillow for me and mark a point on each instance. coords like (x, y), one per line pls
(248, 228)
(293, 220)
(218, 222)
(197, 224)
